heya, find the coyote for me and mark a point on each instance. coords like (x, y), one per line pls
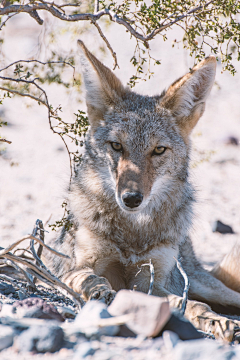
(131, 200)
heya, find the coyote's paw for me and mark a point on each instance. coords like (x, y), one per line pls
(106, 296)
(224, 328)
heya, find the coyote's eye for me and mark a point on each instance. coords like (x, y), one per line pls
(116, 146)
(159, 150)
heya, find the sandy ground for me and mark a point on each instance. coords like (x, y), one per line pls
(34, 169)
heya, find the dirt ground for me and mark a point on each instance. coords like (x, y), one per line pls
(34, 169)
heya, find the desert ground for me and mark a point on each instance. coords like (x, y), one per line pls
(34, 168)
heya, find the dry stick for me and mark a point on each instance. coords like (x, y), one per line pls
(18, 268)
(7, 278)
(39, 62)
(35, 255)
(12, 246)
(43, 273)
(107, 43)
(7, 141)
(186, 286)
(151, 268)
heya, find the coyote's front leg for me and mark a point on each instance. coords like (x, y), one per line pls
(91, 286)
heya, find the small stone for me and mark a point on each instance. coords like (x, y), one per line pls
(182, 327)
(222, 228)
(83, 350)
(147, 314)
(90, 316)
(6, 336)
(41, 339)
(170, 339)
(7, 310)
(6, 289)
(231, 140)
(35, 307)
(66, 312)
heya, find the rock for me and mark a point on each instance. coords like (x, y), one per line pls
(182, 327)
(231, 140)
(222, 228)
(83, 350)
(41, 339)
(6, 336)
(35, 307)
(148, 314)
(6, 289)
(202, 349)
(170, 339)
(66, 312)
(7, 310)
(89, 318)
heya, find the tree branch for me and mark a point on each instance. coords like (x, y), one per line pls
(107, 43)
(55, 10)
(7, 141)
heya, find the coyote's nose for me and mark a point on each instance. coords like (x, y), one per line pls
(132, 199)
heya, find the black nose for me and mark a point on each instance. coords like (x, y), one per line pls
(132, 199)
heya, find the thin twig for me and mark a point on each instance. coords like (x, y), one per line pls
(39, 62)
(20, 269)
(107, 43)
(12, 246)
(12, 281)
(96, 6)
(22, 94)
(44, 275)
(7, 141)
(151, 268)
(9, 17)
(186, 286)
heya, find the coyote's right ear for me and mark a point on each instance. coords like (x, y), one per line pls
(186, 97)
(103, 88)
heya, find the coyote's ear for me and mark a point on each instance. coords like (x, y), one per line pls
(103, 88)
(186, 97)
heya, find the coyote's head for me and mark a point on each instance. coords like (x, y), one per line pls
(140, 143)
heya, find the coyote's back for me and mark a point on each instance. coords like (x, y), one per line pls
(131, 200)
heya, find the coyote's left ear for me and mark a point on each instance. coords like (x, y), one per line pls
(186, 97)
(103, 88)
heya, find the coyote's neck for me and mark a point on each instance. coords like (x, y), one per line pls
(168, 223)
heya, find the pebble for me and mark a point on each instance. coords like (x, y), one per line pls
(222, 228)
(41, 339)
(35, 307)
(87, 320)
(6, 336)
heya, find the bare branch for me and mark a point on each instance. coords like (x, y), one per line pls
(22, 94)
(20, 269)
(151, 268)
(39, 62)
(9, 17)
(7, 141)
(55, 10)
(108, 44)
(44, 275)
(186, 286)
(12, 246)
(14, 283)
(36, 17)
(96, 6)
